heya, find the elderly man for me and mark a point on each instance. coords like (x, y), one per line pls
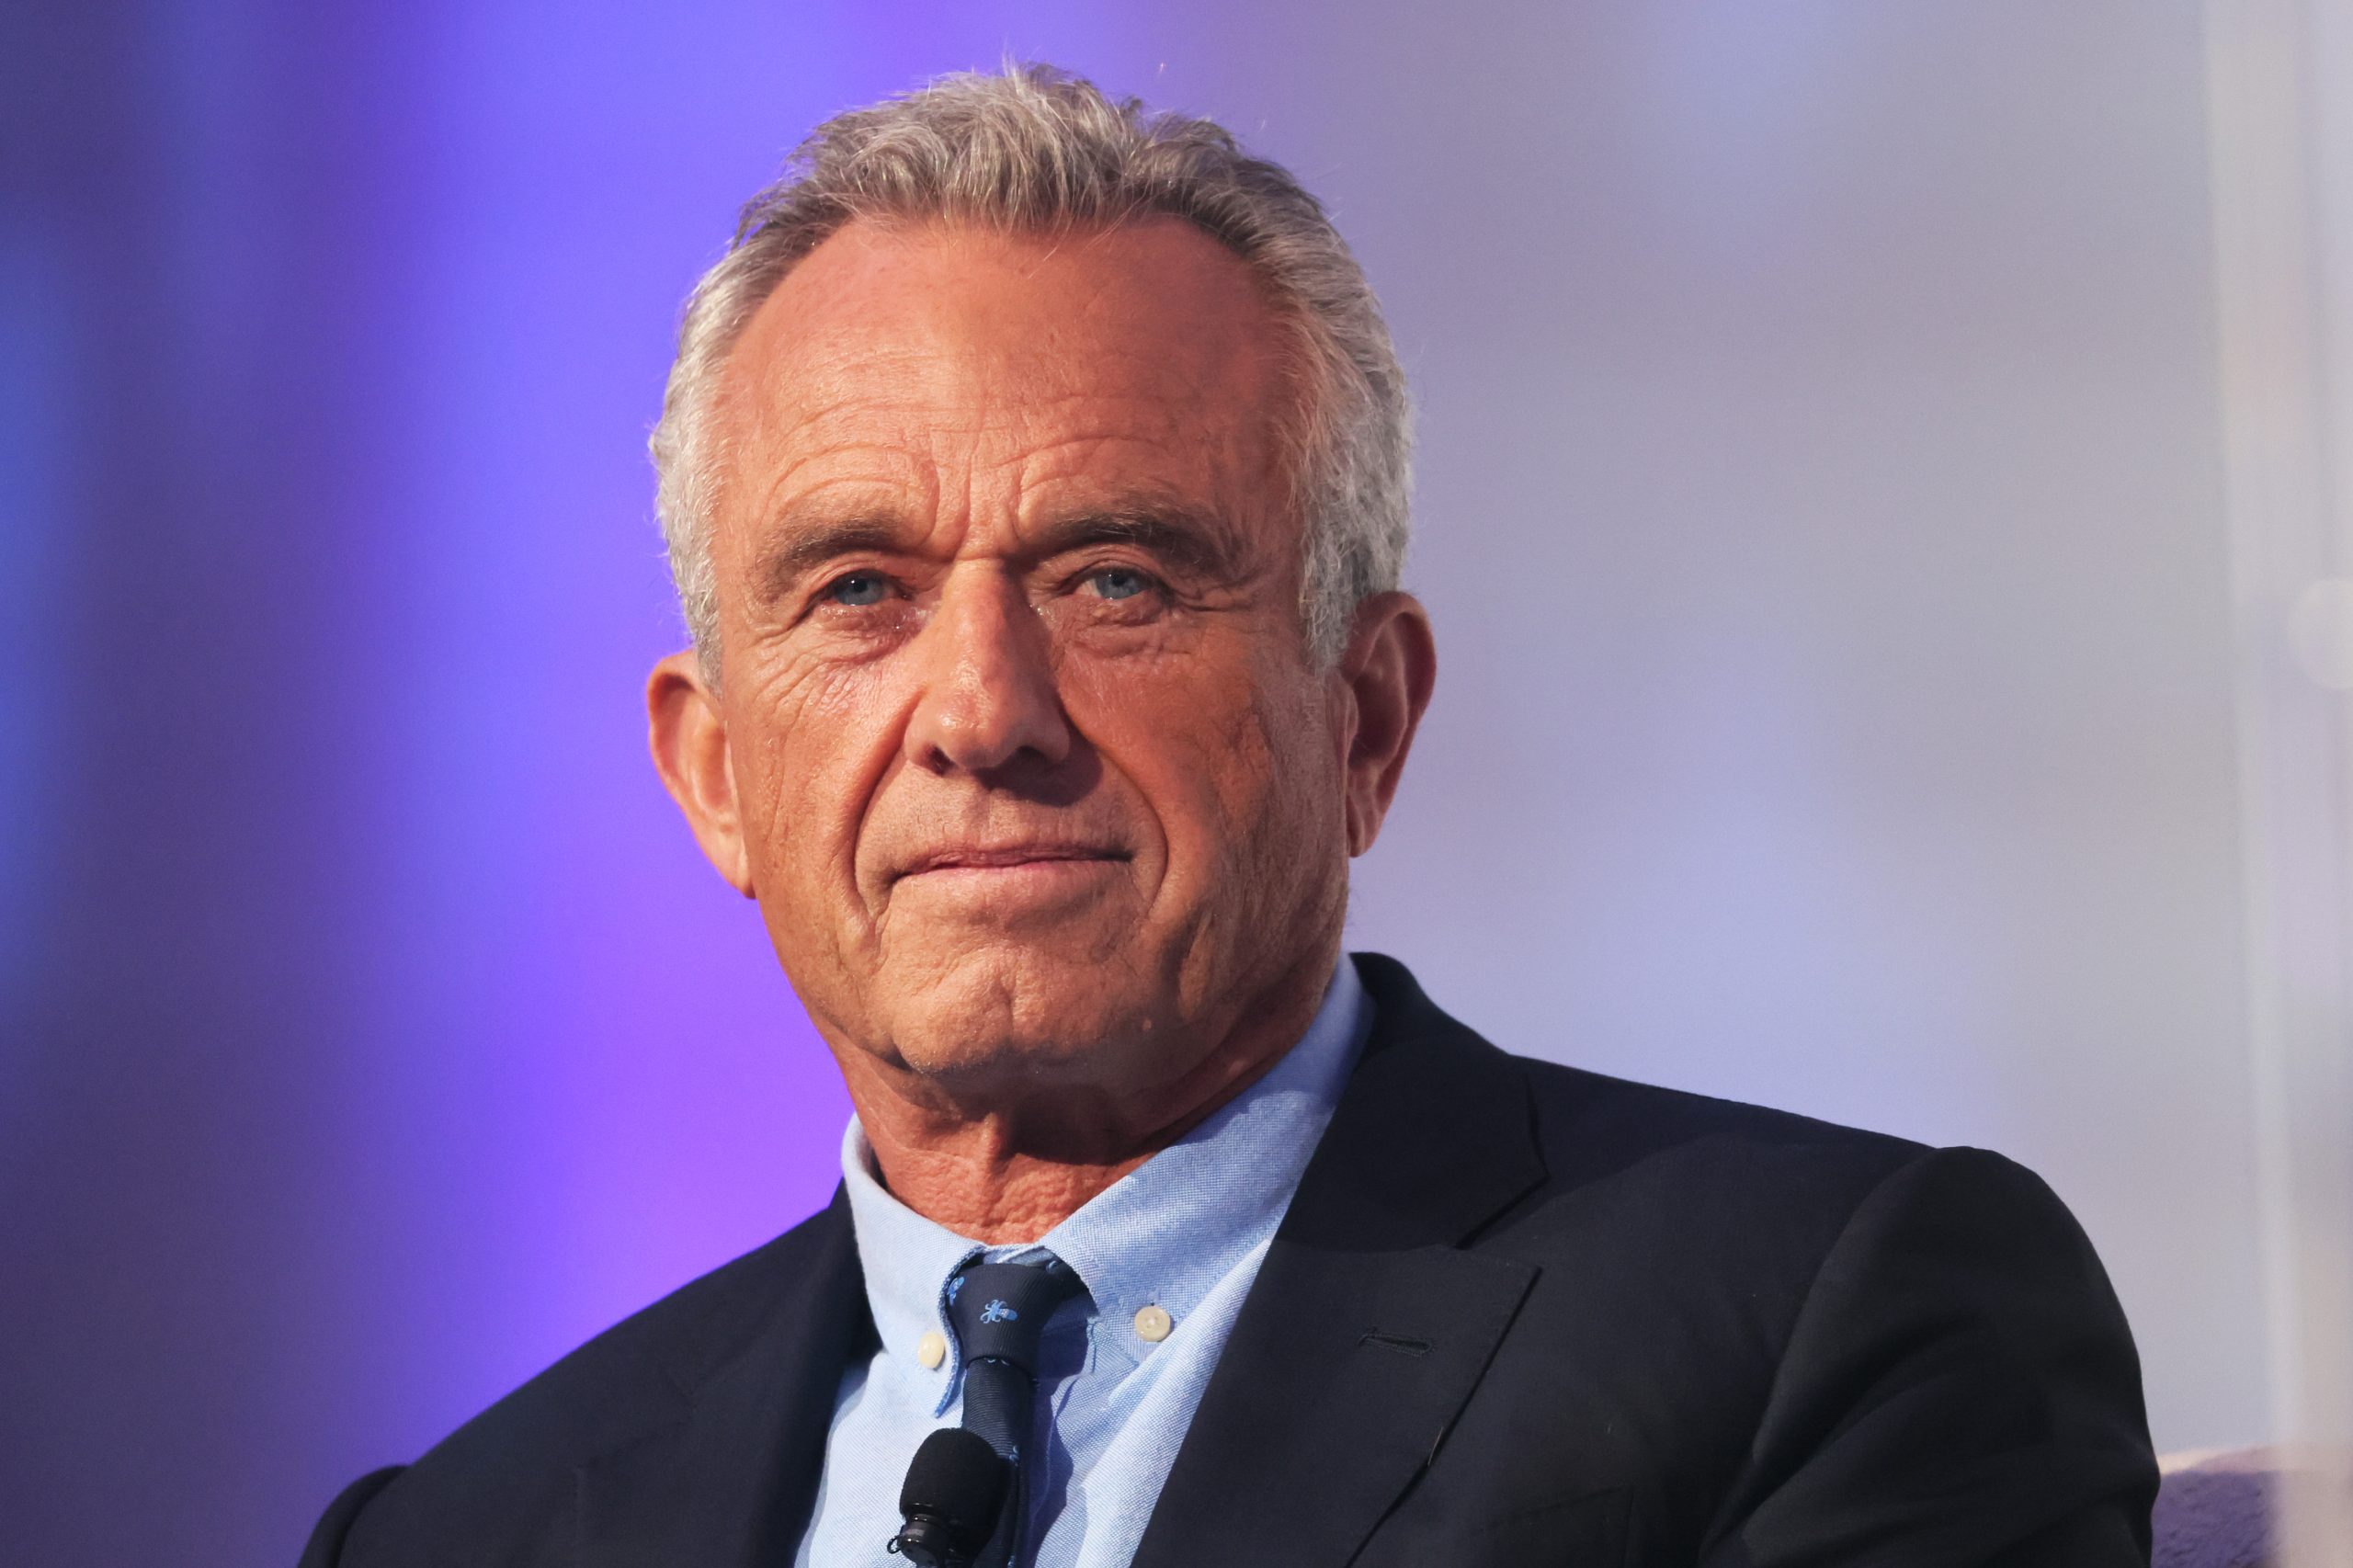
(1034, 472)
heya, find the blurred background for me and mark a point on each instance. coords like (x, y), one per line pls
(1832, 504)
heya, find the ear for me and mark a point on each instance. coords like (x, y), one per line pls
(688, 735)
(1389, 668)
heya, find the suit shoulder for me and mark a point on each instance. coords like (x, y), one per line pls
(641, 1366)
(1715, 1171)
(1628, 1118)
(1766, 1196)
(504, 1478)
(1586, 1122)
(1629, 1159)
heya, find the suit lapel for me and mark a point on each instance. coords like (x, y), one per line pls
(731, 1482)
(1368, 1326)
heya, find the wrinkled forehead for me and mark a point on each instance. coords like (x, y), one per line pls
(932, 354)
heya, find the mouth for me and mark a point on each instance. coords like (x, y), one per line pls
(1016, 857)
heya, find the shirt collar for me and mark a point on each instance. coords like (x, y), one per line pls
(1163, 1234)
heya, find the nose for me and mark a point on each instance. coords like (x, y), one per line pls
(989, 700)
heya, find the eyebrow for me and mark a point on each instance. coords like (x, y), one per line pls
(808, 548)
(1189, 540)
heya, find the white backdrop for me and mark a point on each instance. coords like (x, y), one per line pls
(1822, 510)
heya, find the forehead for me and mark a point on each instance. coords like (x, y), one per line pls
(893, 353)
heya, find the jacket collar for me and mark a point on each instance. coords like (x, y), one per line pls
(1434, 1137)
(1369, 1326)
(731, 1481)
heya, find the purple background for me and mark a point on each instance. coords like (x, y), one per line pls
(1820, 511)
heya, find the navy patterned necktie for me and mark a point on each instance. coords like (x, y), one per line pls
(999, 1312)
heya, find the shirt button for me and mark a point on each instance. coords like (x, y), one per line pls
(1153, 1324)
(932, 1349)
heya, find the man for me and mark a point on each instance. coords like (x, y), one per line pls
(1034, 474)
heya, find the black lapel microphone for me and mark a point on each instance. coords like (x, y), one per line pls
(950, 1499)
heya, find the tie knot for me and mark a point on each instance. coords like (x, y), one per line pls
(1000, 1309)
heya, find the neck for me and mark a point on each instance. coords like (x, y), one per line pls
(1009, 1171)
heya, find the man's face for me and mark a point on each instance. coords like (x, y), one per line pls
(1032, 773)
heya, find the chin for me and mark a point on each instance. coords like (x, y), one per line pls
(1030, 1015)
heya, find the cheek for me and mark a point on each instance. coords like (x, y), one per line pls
(821, 740)
(1233, 762)
(1301, 764)
(1297, 823)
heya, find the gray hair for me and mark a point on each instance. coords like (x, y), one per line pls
(1038, 150)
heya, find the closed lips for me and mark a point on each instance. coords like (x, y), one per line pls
(1003, 856)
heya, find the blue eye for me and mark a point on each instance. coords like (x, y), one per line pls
(1118, 581)
(858, 588)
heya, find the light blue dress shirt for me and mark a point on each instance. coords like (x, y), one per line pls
(1184, 1232)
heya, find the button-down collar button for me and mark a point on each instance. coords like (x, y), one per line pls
(1153, 1324)
(932, 1349)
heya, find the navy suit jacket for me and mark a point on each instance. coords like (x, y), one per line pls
(1517, 1313)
